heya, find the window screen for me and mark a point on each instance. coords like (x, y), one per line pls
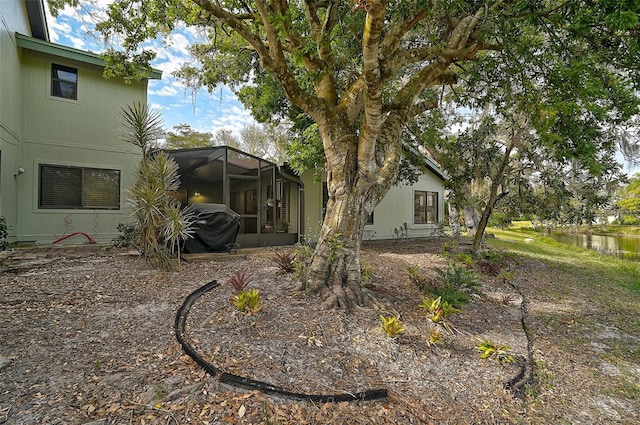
(78, 188)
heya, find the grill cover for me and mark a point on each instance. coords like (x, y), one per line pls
(215, 228)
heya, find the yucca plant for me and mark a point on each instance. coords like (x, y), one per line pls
(161, 224)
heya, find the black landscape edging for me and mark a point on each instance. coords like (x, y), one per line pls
(250, 384)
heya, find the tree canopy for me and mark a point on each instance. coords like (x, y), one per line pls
(362, 70)
(185, 137)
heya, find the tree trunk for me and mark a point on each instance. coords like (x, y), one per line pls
(454, 221)
(335, 271)
(471, 220)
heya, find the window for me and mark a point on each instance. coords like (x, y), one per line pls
(425, 207)
(64, 81)
(78, 188)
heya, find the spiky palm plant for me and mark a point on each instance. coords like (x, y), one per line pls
(163, 225)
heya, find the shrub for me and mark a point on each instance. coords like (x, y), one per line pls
(128, 236)
(457, 277)
(247, 301)
(421, 281)
(466, 259)
(392, 326)
(4, 234)
(239, 280)
(303, 254)
(489, 267)
(284, 259)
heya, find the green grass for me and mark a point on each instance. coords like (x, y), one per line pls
(608, 288)
(590, 266)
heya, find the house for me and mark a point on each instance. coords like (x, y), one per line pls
(407, 211)
(278, 208)
(63, 167)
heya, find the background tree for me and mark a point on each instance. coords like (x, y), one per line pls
(629, 201)
(363, 70)
(184, 137)
(266, 141)
(224, 137)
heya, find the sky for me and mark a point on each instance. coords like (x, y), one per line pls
(204, 111)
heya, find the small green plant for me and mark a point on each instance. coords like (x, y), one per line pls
(239, 280)
(4, 234)
(457, 277)
(506, 276)
(160, 392)
(437, 311)
(247, 301)
(491, 350)
(335, 245)
(465, 259)
(392, 326)
(303, 254)
(435, 335)
(285, 258)
(421, 281)
(128, 235)
(365, 271)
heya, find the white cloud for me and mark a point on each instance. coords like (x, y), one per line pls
(166, 90)
(179, 43)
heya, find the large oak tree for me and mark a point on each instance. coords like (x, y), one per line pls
(363, 69)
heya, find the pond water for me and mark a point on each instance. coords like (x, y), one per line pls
(626, 247)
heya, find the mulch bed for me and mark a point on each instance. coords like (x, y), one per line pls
(87, 337)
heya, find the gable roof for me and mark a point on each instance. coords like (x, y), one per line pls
(37, 19)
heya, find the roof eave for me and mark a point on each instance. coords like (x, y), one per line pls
(37, 19)
(43, 46)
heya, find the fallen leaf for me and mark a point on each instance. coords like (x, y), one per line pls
(241, 411)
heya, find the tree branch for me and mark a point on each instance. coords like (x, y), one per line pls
(372, 121)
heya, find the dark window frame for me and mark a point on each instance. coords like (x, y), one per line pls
(421, 212)
(61, 85)
(65, 187)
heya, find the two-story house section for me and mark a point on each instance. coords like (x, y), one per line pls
(64, 167)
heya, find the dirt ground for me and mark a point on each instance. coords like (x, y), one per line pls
(87, 337)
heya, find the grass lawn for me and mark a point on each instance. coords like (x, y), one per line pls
(611, 286)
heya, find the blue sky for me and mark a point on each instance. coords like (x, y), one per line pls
(204, 111)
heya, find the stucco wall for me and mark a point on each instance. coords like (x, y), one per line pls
(397, 208)
(12, 18)
(392, 213)
(83, 133)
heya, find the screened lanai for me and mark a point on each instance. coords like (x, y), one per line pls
(267, 198)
